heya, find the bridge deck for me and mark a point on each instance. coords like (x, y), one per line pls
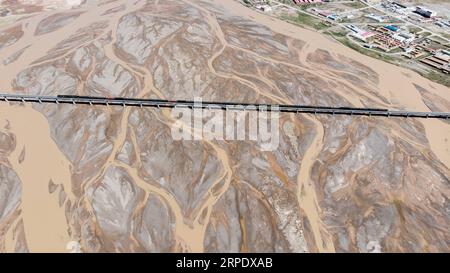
(221, 105)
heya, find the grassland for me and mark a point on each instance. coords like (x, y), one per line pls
(355, 5)
(438, 77)
(306, 20)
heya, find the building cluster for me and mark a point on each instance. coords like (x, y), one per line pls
(409, 39)
(385, 38)
(390, 37)
(439, 60)
(416, 14)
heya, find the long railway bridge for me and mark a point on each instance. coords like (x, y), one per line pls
(326, 110)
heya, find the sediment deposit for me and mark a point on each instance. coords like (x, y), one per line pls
(113, 179)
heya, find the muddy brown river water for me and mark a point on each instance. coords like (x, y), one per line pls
(37, 159)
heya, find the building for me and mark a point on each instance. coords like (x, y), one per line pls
(363, 36)
(425, 12)
(324, 14)
(374, 17)
(385, 43)
(399, 5)
(413, 53)
(384, 40)
(405, 37)
(391, 28)
(333, 17)
(439, 62)
(443, 55)
(354, 28)
(430, 48)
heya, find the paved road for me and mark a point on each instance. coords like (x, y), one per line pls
(221, 105)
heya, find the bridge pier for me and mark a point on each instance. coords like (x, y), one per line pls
(308, 109)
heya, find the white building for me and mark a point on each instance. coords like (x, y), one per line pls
(404, 37)
(374, 17)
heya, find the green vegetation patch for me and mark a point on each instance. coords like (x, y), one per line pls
(438, 39)
(308, 6)
(355, 4)
(437, 76)
(337, 33)
(306, 20)
(445, 34)
(396, 50)
(414, 29)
